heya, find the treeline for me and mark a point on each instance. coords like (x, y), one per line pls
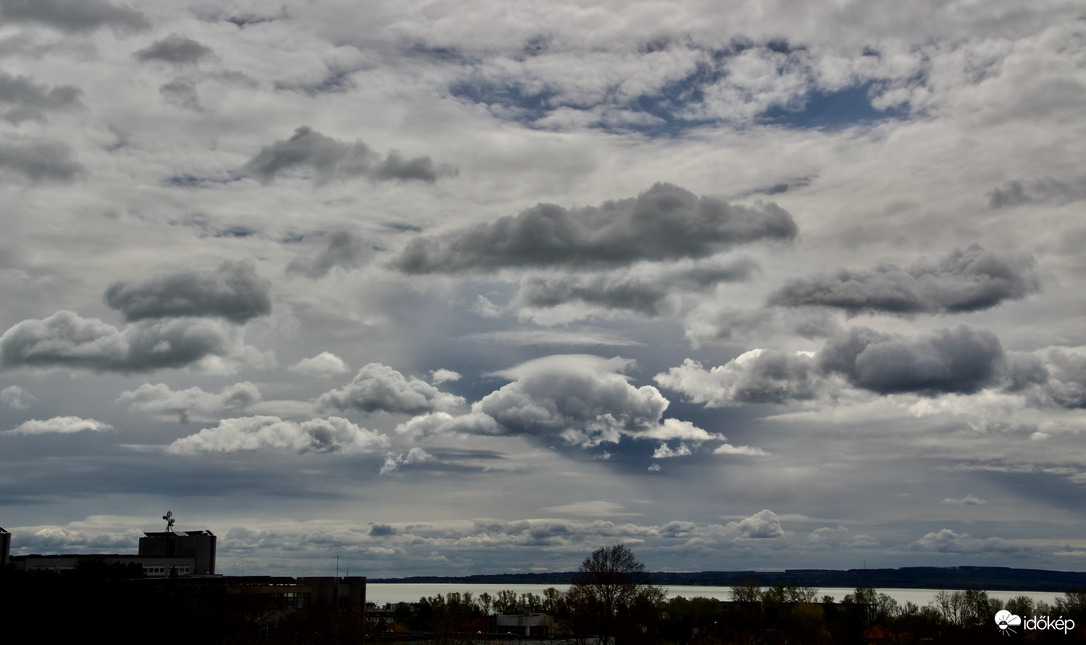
(755, 615)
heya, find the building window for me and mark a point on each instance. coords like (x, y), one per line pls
(295, 600)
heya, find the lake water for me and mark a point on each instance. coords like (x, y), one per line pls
(395, 592)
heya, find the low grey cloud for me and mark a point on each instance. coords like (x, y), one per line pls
(175, 49)
(17, 398)
(663, 223)
(947, 541)
(38, 161)
(60, 425)
(74, 16)
(757, 376)
(248, 434)
(233, 291)
(66, 339)
(763, 524)
(189, 404)
(1037, 191)
(343, 250)
(962, 359)
(182, 93)
(715, 321)
(332, 159)
(25, 100)
(644, 288)
(1058, 379)
(959, 360)
(380, 388)
(963, 280)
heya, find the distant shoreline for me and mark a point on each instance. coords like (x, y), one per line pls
(964, 577)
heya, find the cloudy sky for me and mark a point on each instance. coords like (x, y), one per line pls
(479, 286)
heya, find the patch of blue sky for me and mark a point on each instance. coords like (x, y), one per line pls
(669, 112)
(835, 110)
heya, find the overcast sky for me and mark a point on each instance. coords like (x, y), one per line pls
(480, 286)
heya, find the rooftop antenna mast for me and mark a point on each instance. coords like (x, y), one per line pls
(169, 521)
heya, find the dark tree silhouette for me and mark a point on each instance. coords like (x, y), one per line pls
(609, 600)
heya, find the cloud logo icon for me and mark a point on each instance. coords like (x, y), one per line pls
(1005, 620)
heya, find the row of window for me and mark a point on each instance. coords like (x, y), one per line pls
(161, 570)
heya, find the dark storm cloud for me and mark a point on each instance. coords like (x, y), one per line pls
(66, 339)
(378, 387)
(334, 159)
(343, 250)
(663, 223)
(233, 291)
(964, 280)
(24, 100)
(181, 92)
(38, 160)
(74, 16)
(642, 292)
(1038, 191)
(962, 359)
(175, 49)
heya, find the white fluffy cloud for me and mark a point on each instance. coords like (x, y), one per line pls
(192, 403)
(60, 425)
(757, 376)
(245, 434)
(947, 541)
(325, 365)
(763, 524)
(380, 388)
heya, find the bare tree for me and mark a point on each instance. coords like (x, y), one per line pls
(607, 597)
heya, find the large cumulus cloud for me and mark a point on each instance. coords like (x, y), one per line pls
(580, 400)
(663, 223)
(232, 291)
(245, 434)
(962, 359)
(762, 525)
(969, 279)
(378, 387)
(332, 159)
(66, 339)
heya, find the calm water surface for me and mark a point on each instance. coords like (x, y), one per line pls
(382, 593)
